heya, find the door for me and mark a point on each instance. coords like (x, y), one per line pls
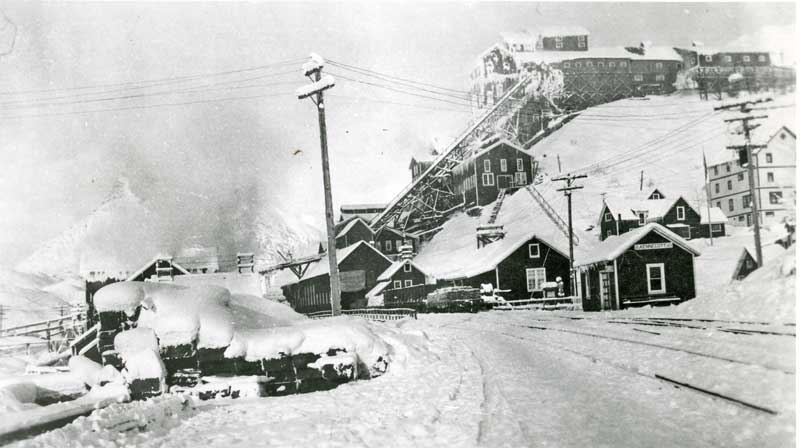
(607, 299)
(503, 181)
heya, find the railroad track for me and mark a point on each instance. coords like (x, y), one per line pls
(632, 370)
(680, 323)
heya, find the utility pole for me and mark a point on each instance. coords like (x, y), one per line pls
(746, 155)
(313, 70)
(641, 180)
(569, 179)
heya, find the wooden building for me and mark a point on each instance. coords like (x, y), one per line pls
(389, 241)
(360, 264)
(365, 211)
(403, 284)
(531, 248)
(619, 216)
(351, 231)
(497, 165)
(650, 265)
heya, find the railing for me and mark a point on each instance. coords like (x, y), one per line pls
(49, 327)
(547, 303)
(378, 314)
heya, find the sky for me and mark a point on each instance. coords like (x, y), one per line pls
(208, 153)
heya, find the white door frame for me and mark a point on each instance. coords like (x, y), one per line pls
(663, 278)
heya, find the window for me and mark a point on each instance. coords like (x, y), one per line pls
(659, 65)
(601, 64)
(730, 205)
(559, 42)
(681, 211)
(716, 187)
(762, 58)
(566, 65)
(623, 64)
(578, 64)
(409, 283)
(589, 63)
(398, 243)
(740, 177)
(770, 214)
(488, 179)
(520, 165)
(716, 171)
(535, 277)
(638, 77)
(642, 218)
(728, 58)
(397, 284)
(727, 167)
(659, 77)
(655, 278)
(521, 178)
(770, 177)
(503, 165)
(388, 245)
(746, 58)
(746, 201)
(656, 196)
(487, 166)
(612, 64)
(608, 217)
(741, 218)
(709, 58)
(719, 205)
(581, 41)
(533, 250)
(730, 185)
(775, 197)
(769, 157)
(716, 227)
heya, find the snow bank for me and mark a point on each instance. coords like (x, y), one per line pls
(122, 296)
(316, 336)
(85, 369)
(139, 350)
(136, 340)
(17, 397)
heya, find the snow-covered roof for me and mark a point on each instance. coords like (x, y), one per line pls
(717, 216)
(532, 35)
(452, 253)
(627, 208)
(321, 267)
(503, 141)
(364, 211)
(197, 258)
(615, 245)
(378, 288)
(391, 270)
(350, 223)
(356, 207)
(553, 57)
(152, 262)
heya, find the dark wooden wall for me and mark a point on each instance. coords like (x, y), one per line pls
(678, 270)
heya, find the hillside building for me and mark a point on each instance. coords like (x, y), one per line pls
(365, 211)
(775, 171)
(351, 231)
(494, 167)
(619, 216)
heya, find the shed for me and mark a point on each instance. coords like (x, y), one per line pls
(650, 265)
(353, 230)
(402, 284)
(712, 221)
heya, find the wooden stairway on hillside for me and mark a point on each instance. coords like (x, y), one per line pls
(551, 213)
(497, 204)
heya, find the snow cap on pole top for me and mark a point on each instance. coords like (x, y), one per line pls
(314, 65)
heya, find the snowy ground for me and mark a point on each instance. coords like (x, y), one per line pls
(521, 378)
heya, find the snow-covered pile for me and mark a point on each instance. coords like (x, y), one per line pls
(139, 351)
(766, 295)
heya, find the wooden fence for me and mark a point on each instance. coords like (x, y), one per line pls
(377, 314)
(548, 303)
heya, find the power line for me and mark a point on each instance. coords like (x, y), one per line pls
(146, 106)
(461, 96)
(377, 74)
(171, 78)
(339, 75)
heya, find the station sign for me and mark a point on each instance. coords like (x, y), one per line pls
(652, 246)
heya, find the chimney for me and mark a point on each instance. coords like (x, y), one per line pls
(245, 262)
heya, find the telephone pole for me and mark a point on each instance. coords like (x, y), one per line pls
(746, 156)
(569, 179)
(313, 70)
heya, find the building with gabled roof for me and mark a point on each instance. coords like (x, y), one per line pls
(650, 265)
(365, 211)
(403, 284)
(353, 230)
(360, 264)
(532, 247)
(620, 215)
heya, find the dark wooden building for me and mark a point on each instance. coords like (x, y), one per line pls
(351, 231)
(650, 265)
(403, 284)
(496, 166)
(360, 264)
(619, 216)
(389, 241)
(365, 211)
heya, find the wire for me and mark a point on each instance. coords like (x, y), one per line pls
(414, 87)
(144, 106)
(400, 91)
(421, 106)
(378, 74)
(172, 78)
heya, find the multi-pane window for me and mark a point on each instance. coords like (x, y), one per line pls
(533, 250)
(769, 157)
(623, 64)
(638, 77)
(398, 243)
(681, 211)
(709, 58)
(487, 166)
(535, 278)
(601, 64)
(740, 177)
(488, 179)
(388, 245)
(719, 205)
(746, 201)
(762, 58)
(730, 205)
(659, 77)
(716, 187)
(407, 267)
(746, 58)
(566, 65)
(770, 177)
(521, 178)
(581, 41)
(409, 283)
(612, 64)
(716, 171)
(728, 58)
(727, 167)
(559, 42)
(503, 165)
(608, 217)
(642, 218)
(716, 227)
(520, 165)
(775, 197)
(397, 284)
(659, 65)
(730, 185)
(655, 278)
